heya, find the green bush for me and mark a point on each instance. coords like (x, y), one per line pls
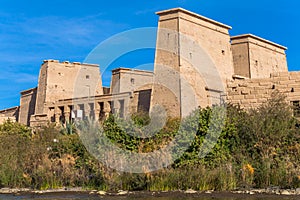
(45, 159)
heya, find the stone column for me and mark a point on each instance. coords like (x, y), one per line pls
(57, 114)
(67, 113)
(87, 110)
(106, 109)
(126, 108)
(97, 110)
(116, 108)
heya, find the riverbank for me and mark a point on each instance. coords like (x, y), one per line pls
(273, 193)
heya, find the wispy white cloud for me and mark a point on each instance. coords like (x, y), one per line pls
(25, 42)
(34, 37)
(23, 38)
(18, 77)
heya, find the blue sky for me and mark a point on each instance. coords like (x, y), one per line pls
(32, 31)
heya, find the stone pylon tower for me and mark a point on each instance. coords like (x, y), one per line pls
(193, 61)
(58, 81)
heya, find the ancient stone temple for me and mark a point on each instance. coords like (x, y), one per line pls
(197, 63)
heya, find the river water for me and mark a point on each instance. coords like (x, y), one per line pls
(82, 196)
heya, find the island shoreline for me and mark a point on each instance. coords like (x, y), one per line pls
(255, 193)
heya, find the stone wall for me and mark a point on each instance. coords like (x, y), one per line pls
(9, 114)
(193, 61)
(166, 87)
(27, 105)
(255, 57)
(41, 89)
(130, 80)
(66, 80)
(251, 93)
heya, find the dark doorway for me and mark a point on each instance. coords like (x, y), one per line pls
(144, 101)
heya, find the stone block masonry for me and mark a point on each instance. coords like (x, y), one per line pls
(250, 93)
